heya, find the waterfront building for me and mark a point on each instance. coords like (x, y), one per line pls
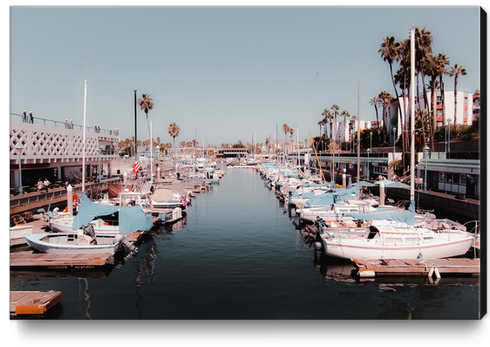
(468, 108)
(54, 150)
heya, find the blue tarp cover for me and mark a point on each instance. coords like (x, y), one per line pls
(131, 218)
(333, 196)
(406, 216)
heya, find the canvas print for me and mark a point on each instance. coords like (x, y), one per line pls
(317, 163)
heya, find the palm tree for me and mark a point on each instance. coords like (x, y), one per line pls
(390, 52)
(423, 47)
(173, 131)
(456, 71)
(374, 102)
(328, 119)
(335, 112)
(443, 60)
(345, 114)
(385, 99)
(146, 104)
(431, 68)
(421, 124)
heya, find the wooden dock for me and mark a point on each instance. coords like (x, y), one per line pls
(61, 260)
(33, 302)
(417, 267)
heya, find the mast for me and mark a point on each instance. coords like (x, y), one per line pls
(84, 120)
(412, 114)
(151, 151)
(358, 128)
(135, 131)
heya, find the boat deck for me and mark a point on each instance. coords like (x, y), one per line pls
(417, 267)
(33, 302)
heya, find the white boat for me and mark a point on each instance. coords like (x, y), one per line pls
(393, 242)
(129, 218)
(80, 242)
(17, 234)
(64, 224)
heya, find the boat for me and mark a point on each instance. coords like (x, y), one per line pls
(128, 218)
(392, 235)
(17, 234)
(84, 240)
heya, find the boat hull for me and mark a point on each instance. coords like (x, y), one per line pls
(445, 246)
(62, 242)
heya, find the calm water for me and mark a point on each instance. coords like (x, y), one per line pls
(238, 256)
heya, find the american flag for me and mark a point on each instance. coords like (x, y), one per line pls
(136, 167)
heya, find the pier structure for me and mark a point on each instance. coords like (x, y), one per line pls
(43, 148)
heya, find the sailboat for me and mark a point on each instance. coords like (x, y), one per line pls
(393, 235)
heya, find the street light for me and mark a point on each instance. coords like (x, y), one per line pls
(449, 139)
(371, 140)
(394, 140)
(426, 149)
(19, 149)
(368, 151)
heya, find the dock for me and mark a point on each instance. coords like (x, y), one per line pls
(33, 302)
(61, 260)
(417, 267)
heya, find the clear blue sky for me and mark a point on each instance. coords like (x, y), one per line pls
(225, 71)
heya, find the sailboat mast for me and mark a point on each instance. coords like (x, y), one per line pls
(412, 114)
(84, 127)
(358, 128)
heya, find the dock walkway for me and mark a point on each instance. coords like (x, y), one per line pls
(417, 267)
(33, 302)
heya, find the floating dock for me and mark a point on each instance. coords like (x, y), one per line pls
(61, 260)
(417, 267)
(33, 302)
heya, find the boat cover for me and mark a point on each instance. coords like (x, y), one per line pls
(404, 216)
(333, 196)
(131, 218)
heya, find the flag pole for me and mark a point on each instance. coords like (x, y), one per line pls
(84, 127)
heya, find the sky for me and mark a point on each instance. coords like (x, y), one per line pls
(221, 74)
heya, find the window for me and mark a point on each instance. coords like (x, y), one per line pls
(456, 178)
(449, 177)
(442, 176)
(462, 180)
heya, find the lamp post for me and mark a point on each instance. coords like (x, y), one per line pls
(19, 149)
(98, 165)
(394, 140)
(371, 140)
(426, 149)
(338, 152)
(449, 138)
(368, 151)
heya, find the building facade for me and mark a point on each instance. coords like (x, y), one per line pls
(54, 150)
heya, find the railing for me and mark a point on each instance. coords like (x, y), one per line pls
(56, 193)
(59, 124)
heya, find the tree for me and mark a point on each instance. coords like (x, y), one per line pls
(423, 47)
(345, 114)
(390, 52)
(375, 102)
(173, 131)
(327, 119)
(456, 71)
(335, 112)
(146, 104)
(385, 99)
